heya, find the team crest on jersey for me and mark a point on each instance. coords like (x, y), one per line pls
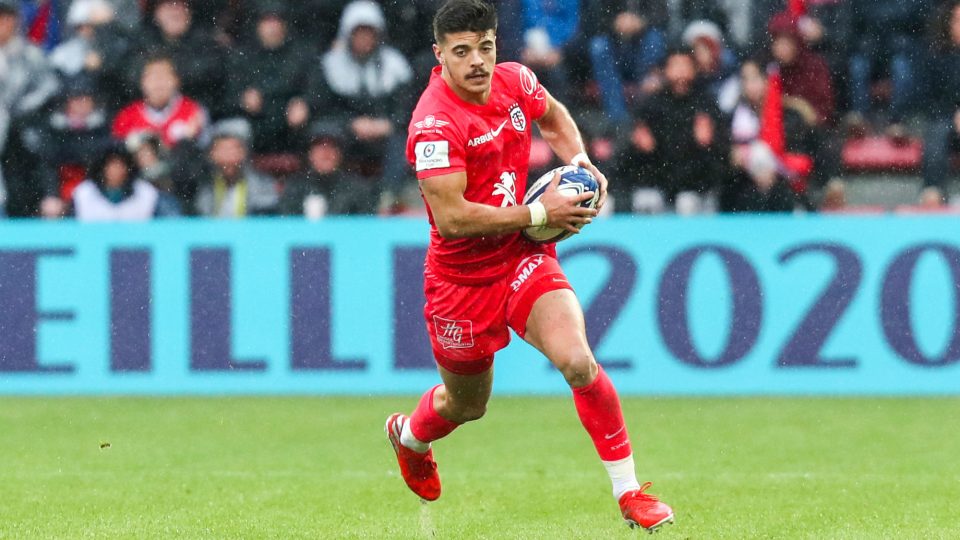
(430, 121)
(517, 118)
(453, 334)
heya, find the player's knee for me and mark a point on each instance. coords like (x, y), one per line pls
(578, 368)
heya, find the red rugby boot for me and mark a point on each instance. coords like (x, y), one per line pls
(419, 471)
(644, 510)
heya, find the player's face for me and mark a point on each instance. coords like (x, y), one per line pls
(468, 59)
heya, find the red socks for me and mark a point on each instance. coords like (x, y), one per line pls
(426, 424)
(597, 405)
(599, 409)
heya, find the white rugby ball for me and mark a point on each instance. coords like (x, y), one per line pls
(574, 180)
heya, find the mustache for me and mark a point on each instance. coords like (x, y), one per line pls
(477, 72)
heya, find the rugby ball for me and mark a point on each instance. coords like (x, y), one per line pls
(574, 180)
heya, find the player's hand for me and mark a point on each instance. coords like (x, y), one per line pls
(601, 179)
(564, 211)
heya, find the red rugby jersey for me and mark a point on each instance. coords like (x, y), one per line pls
(491, 143)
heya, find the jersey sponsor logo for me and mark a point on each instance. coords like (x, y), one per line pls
(529, 84)
(517, 118)
(432, 155)
(453, 334)
(487, 137)
(430, 121)
(525, 270)
(507, 186)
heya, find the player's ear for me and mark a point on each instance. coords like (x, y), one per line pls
(438, 54)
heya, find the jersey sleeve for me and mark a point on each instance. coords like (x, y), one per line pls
(435, 145)
(529, 91)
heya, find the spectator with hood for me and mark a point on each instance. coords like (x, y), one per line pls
(266, 79)
(715, 62)
(743, 22)
(362, 83)
(96, 49)
(805, 74)
(27, 83)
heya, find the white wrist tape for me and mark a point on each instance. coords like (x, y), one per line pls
(538, 214)
(580, 159)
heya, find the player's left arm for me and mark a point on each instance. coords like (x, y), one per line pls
(558, 128)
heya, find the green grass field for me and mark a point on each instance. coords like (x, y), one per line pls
(321, 468)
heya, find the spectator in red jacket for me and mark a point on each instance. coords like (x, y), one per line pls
(163, 110)
(805, 73)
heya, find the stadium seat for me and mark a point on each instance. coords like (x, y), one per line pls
(882, 154)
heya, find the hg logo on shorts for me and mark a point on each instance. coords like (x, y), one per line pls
(453, 334)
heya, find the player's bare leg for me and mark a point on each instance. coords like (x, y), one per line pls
(460, 399)
(556, 328)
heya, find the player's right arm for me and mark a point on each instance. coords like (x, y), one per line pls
(456, 217)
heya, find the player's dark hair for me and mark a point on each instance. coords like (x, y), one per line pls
(464, 16)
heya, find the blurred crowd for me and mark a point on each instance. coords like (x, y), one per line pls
(134, 109)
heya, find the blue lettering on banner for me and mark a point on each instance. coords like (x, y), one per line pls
(19, 315)
(609, 302)
(211, 309)
(130, 310)
(720, 305)
(310, 314)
